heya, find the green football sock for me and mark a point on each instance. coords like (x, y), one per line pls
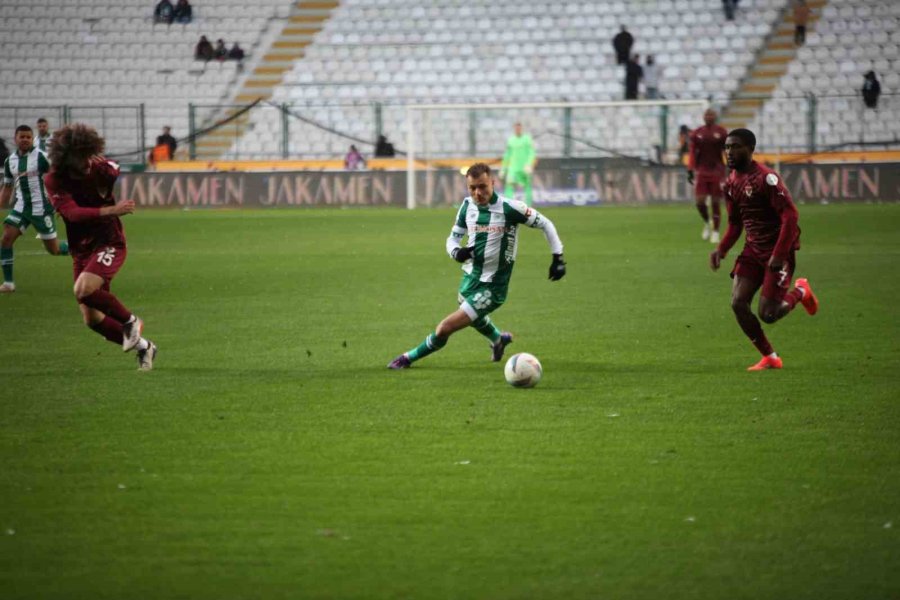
(6, 261)
(432, 343)
(486, 327)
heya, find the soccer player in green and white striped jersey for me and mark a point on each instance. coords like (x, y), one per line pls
(42, 139)
(491, 223)
(23, 172)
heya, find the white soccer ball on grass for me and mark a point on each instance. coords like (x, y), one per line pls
(523, 370)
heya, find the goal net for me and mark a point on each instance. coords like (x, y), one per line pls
(444, 139)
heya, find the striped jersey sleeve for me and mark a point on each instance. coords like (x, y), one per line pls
(459, 229)
(7, 172)
(43, 162)
(520, 213)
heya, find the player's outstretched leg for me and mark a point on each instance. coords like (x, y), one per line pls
(431, 344)
(528, 193)
(436, 340)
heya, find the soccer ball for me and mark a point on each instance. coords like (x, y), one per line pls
(523, 370)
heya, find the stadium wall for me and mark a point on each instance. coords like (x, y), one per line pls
(556, 182)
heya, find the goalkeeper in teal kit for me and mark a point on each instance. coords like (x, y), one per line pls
(491, 223)
(518, 163)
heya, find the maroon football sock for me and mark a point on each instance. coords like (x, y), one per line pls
(793, 297)
(717, 214)
(110, 329)
(107, 303)
(753, 330)
(704, 212)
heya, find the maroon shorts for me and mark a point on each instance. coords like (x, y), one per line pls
(708, 185)
(753, 265)
(104, 261)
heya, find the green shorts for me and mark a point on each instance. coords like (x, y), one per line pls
(43, 224)
(480, 298)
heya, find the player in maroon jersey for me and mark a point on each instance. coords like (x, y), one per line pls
(706, 172)
(80, 184)
(759, 203)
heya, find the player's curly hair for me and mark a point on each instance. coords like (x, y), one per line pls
(72, 144)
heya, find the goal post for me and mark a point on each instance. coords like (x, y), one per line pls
(445, 136)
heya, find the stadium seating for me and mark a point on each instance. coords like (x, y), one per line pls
(851, 38)
(491, 51)
(108, 52)
(88, 53)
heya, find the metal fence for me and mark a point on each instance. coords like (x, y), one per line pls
(123, 127)
(324, 130)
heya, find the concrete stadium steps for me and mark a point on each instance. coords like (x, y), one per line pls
(306, 19)
(770, 65)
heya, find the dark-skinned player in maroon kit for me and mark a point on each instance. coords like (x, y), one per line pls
(80, 186)
(759, 203)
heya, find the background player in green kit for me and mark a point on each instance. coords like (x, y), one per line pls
(23, 174)
(491, 223)
(518, 163)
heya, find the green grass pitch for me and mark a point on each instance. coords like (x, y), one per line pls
(272, 455)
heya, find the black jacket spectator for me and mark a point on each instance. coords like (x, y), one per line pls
(633, 75)
(871, 89)
(236, 52)
(623, 43)
(168, 139)
(184, 12)
(204, 50)
(164, 12)
(383, 148)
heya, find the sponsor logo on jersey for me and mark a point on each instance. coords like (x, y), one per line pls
(493, 228)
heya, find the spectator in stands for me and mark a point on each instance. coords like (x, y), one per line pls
(729, 6)
(633, 75)
(236, 52)
(168, 139)
(221, 52)
(383, 148)
(204, 50)
(622, 44)
(184, 12)
(801, 16)
(354, 161)
(871, 89)
(651, 78)
(164, 12)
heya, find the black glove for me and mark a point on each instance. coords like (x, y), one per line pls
(461, 254)
(557, 268)
(690, 177)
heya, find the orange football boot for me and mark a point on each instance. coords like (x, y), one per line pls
(810, 302)
(767, 363)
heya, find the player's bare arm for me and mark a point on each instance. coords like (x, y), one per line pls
(5, 194)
